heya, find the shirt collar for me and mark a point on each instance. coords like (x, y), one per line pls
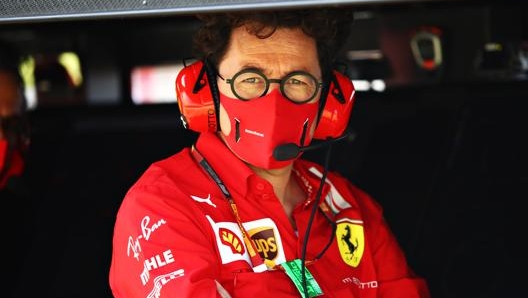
(232, 171)
(309, 182)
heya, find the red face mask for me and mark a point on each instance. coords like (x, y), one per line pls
(11, 163)
(258, 126)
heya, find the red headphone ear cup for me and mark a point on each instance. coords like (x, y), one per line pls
(195, 98)
(337, 109)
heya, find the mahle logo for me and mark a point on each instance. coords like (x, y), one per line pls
(350, 240)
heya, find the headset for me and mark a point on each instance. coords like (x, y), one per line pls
(198, 100)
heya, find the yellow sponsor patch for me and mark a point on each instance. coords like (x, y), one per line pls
(350, 240)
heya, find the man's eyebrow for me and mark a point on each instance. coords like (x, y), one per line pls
(254, 66)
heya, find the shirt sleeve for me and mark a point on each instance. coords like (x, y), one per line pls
(161, 247)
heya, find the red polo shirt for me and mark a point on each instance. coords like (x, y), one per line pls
(176, 235)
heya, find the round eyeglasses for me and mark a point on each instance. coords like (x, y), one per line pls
(298, 86)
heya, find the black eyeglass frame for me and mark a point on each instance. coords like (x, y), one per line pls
(281, 82)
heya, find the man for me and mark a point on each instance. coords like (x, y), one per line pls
(14, 129)
(14, 143)
(240, 214)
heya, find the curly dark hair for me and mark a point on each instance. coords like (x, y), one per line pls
(328, 26)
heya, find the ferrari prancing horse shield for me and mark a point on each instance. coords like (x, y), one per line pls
(350, 240)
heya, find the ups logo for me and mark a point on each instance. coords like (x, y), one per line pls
(265, 242)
